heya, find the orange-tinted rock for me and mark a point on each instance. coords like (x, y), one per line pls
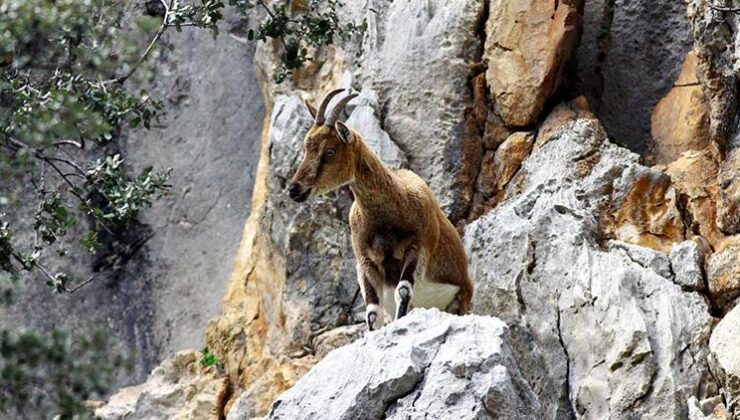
(510, 156)
(694, 175)
(647, 212)
(495, 131)
(680, 121)
(179, 388)
(728, 203)
(723, 272)
(487, 184)
(497, 169)
(560, 115)
(527, 44)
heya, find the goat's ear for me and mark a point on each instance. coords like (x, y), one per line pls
(344, 132)
(311, 109)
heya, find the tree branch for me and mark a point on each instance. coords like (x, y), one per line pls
(79, 286)
(723, 8)
(61, 143)
(163, 27)
(73, 191)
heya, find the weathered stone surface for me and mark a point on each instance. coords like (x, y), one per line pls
(364, 119)
(510, 155)
(527, 46)
(713, 32)
(687, 262)
(427, 362)
(487, 184)
(707, 409)
(728, 204)
(178, 389)
(694, 176)
(724, 359)
(417, 56)
(560, 115)
(648, 258)
(680, 121)
(628, 59)
(601, 335)
(723, 272)
(495, 131)
(644, 210)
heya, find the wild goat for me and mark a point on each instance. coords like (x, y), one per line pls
(407, 250)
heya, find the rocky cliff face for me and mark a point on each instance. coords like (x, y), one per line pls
(609, 269)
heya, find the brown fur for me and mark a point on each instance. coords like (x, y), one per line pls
(397, 227)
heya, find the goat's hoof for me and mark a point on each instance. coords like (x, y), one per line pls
(372, 319)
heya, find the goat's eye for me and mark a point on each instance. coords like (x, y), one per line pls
(329, 152)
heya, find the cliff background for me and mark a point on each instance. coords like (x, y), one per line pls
(587, 150)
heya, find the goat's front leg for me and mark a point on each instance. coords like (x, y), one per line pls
(405, 288)
(373, 310)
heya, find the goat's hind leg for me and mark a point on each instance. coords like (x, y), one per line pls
(405, 288)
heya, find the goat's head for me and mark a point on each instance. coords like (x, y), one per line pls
(328, 152)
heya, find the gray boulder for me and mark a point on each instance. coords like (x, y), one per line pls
(687, 262)
(724, 358)
(427, 363)
(603, 332)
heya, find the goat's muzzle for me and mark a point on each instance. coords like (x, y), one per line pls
(298, 194)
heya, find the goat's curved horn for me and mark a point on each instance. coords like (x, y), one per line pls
(332, 118)
(324, 103)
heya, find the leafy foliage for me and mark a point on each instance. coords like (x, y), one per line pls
(319, 26)
(51, 374)
(63, 70)
(208, 359)
(65, 98)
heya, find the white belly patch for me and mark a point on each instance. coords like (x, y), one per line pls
(426, 295)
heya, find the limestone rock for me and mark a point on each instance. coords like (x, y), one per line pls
(680, 121)
(495, 131)
(510, 155)
(364, 119)
(527, 46)
(427, 362)
(629, 57)
(724, 359)
(487, 183)
(417, 57)
(599, 331)
(708, 409)
(686, 263)
(723, 272)
(178, 389)
(656, 261)
(728, 204)
(644, 210)
(694, 176)
(716, 69)
(578, 108)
